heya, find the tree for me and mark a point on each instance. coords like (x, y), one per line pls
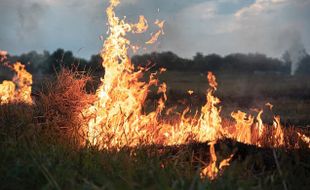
(304, 66)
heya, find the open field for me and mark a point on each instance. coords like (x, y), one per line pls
(290, 95)
(39, 150)
(133, 116)
(47, 162)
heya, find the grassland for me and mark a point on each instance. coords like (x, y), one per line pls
(38, 150)
(290, 95)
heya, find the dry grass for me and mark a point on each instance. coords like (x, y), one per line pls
(62, 101)
(36, 152)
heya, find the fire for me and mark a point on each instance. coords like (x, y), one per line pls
(155, 36)
(212, 170)
(243, 125)
(190, 92)
(18, 90)
(7, 92)
(141, 26)
(117, 118)
(3, 55)
(304, 138)
(209, 124)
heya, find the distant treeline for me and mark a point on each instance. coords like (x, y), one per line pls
(48, 63)
(232, 63)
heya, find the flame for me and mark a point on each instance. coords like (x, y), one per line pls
(209, 125)
(155, 36)
(212, 170)
(7, 92)
(117, 118)
(3, 55)
(304, 138)
(141, 26)
(190, 92)
(243, 125)
(23, 79)
(18, 90)
(226, 162)
(278, 133)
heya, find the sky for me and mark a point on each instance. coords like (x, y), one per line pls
(207, 26)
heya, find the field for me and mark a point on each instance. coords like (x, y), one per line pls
(40, 151)
(290, 95)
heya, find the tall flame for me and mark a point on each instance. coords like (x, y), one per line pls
(117, 118)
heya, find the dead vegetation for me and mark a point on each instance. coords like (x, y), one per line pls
(40, 137)
(62, 101)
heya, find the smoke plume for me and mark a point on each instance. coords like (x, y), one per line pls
(296, 53)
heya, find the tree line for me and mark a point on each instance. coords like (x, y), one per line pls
(49, 63)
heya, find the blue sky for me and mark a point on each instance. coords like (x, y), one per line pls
(207, 26)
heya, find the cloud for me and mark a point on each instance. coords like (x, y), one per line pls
(206, 10)
(29, 16)
(260, 7)
(265, 26)
(208, 26)
(273, 25)
(20, 21)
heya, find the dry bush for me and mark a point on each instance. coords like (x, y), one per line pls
(61, 103)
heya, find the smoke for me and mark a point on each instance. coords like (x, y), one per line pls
(296, 53)
(21, 25)
(29, 16)
(208, 26)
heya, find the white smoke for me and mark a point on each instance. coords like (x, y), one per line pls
(296, 53)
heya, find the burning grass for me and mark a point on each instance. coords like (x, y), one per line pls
(112, 126)
(117, 119)
(39, 152)
(41, 148)
(43, 160)
(63, 100)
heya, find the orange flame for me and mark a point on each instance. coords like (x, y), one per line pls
(18, 90)
(155, 36)
(304, 138)
(190, 92)
(117, 118)
(212, 170)
(7, 92)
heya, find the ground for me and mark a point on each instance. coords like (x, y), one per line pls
(38, 153)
